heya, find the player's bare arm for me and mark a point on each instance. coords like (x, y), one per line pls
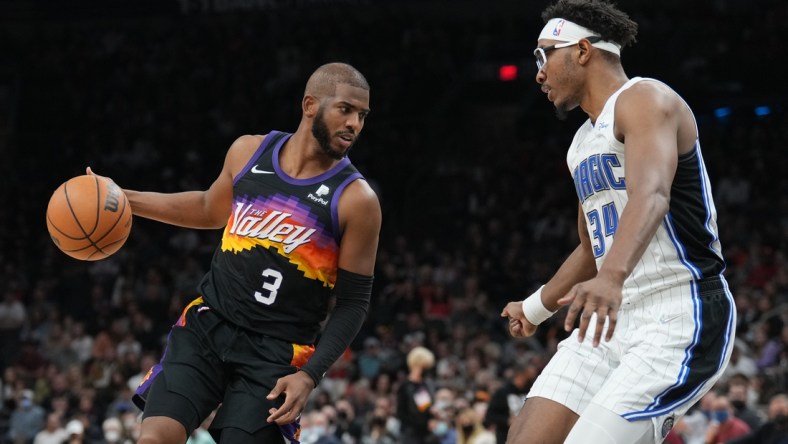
(198, 209)
(647, 121)
(579, 266)
(360, 220)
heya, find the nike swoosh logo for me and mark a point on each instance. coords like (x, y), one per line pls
(256, 171)
(665, 319)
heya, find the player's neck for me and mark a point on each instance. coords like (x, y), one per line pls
(599, 88)
(301, 157)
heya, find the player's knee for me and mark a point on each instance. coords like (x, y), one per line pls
(161, 430)
(602, 426)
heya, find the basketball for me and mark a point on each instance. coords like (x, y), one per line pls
(89, 217)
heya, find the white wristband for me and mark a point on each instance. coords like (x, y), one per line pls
(534, 310)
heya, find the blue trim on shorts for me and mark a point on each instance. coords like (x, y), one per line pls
(656, 408)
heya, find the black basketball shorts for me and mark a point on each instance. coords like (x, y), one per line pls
(209, 362)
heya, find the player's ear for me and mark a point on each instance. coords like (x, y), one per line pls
(584, 48)
(310, 105)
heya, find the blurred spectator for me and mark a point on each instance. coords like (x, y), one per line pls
(9, 387)
(13, 315)
(774, 430)
(131, 421)
(369, 358)
(27, 419)
(415, 398)
(507, 401)
(692, 427)
(384, 410)
(122, 402)
(59, 389)
(81, 342)
(470, 429)
(724, 425)
(30, 362)
(378, 432)
(768, 340)
(444, 412)
(113, 431)
(53, 432)
(75, 430)
(316, 429)
(346, 427)
(741, 362)
(739, 397)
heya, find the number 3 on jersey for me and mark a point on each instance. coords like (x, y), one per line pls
(602, 227)
(273, 279)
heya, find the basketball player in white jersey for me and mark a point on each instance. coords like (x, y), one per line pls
(655, 314)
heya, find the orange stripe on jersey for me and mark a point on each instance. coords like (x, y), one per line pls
(301, 354)
(147, 376)
(182, 319)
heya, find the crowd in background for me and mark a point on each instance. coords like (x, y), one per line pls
(479, 207)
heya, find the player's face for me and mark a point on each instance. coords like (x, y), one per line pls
(556, 76)
(340, 119)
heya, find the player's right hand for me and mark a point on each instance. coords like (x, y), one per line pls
(90, 172)
(519, 326)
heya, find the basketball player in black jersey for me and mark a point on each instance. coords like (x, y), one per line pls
(300, 224)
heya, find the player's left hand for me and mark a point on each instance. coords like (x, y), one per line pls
(296, 388)
(519, 326)
(599, 295)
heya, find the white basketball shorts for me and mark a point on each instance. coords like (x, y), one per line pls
(669, 349)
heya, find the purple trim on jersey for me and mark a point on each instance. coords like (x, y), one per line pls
(291, 430)
(310, 181)
(335, 204)
(253, 160)
(141, 393)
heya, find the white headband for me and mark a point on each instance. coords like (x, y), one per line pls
(566, 31)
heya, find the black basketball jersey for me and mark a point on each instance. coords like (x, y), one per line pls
(277, 262)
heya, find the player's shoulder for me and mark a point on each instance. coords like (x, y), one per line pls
(362, 191)
(246, 144)
(241, 150)
(647, 91)
(360, 198)
(645, 99)
(248, 140)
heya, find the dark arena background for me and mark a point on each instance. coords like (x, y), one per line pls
(464, 151)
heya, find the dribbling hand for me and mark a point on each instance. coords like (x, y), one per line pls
(89, 172)
(519, 326)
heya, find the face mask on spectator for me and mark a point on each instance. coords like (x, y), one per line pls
(721, 416)
(318, 431)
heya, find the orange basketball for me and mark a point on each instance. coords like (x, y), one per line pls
(89, 217)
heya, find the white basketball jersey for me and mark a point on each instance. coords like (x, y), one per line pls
(686, 246)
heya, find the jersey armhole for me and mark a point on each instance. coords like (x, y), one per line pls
(269, 140)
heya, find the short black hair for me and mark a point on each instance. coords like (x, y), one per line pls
(600, 16)
(323, 81)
